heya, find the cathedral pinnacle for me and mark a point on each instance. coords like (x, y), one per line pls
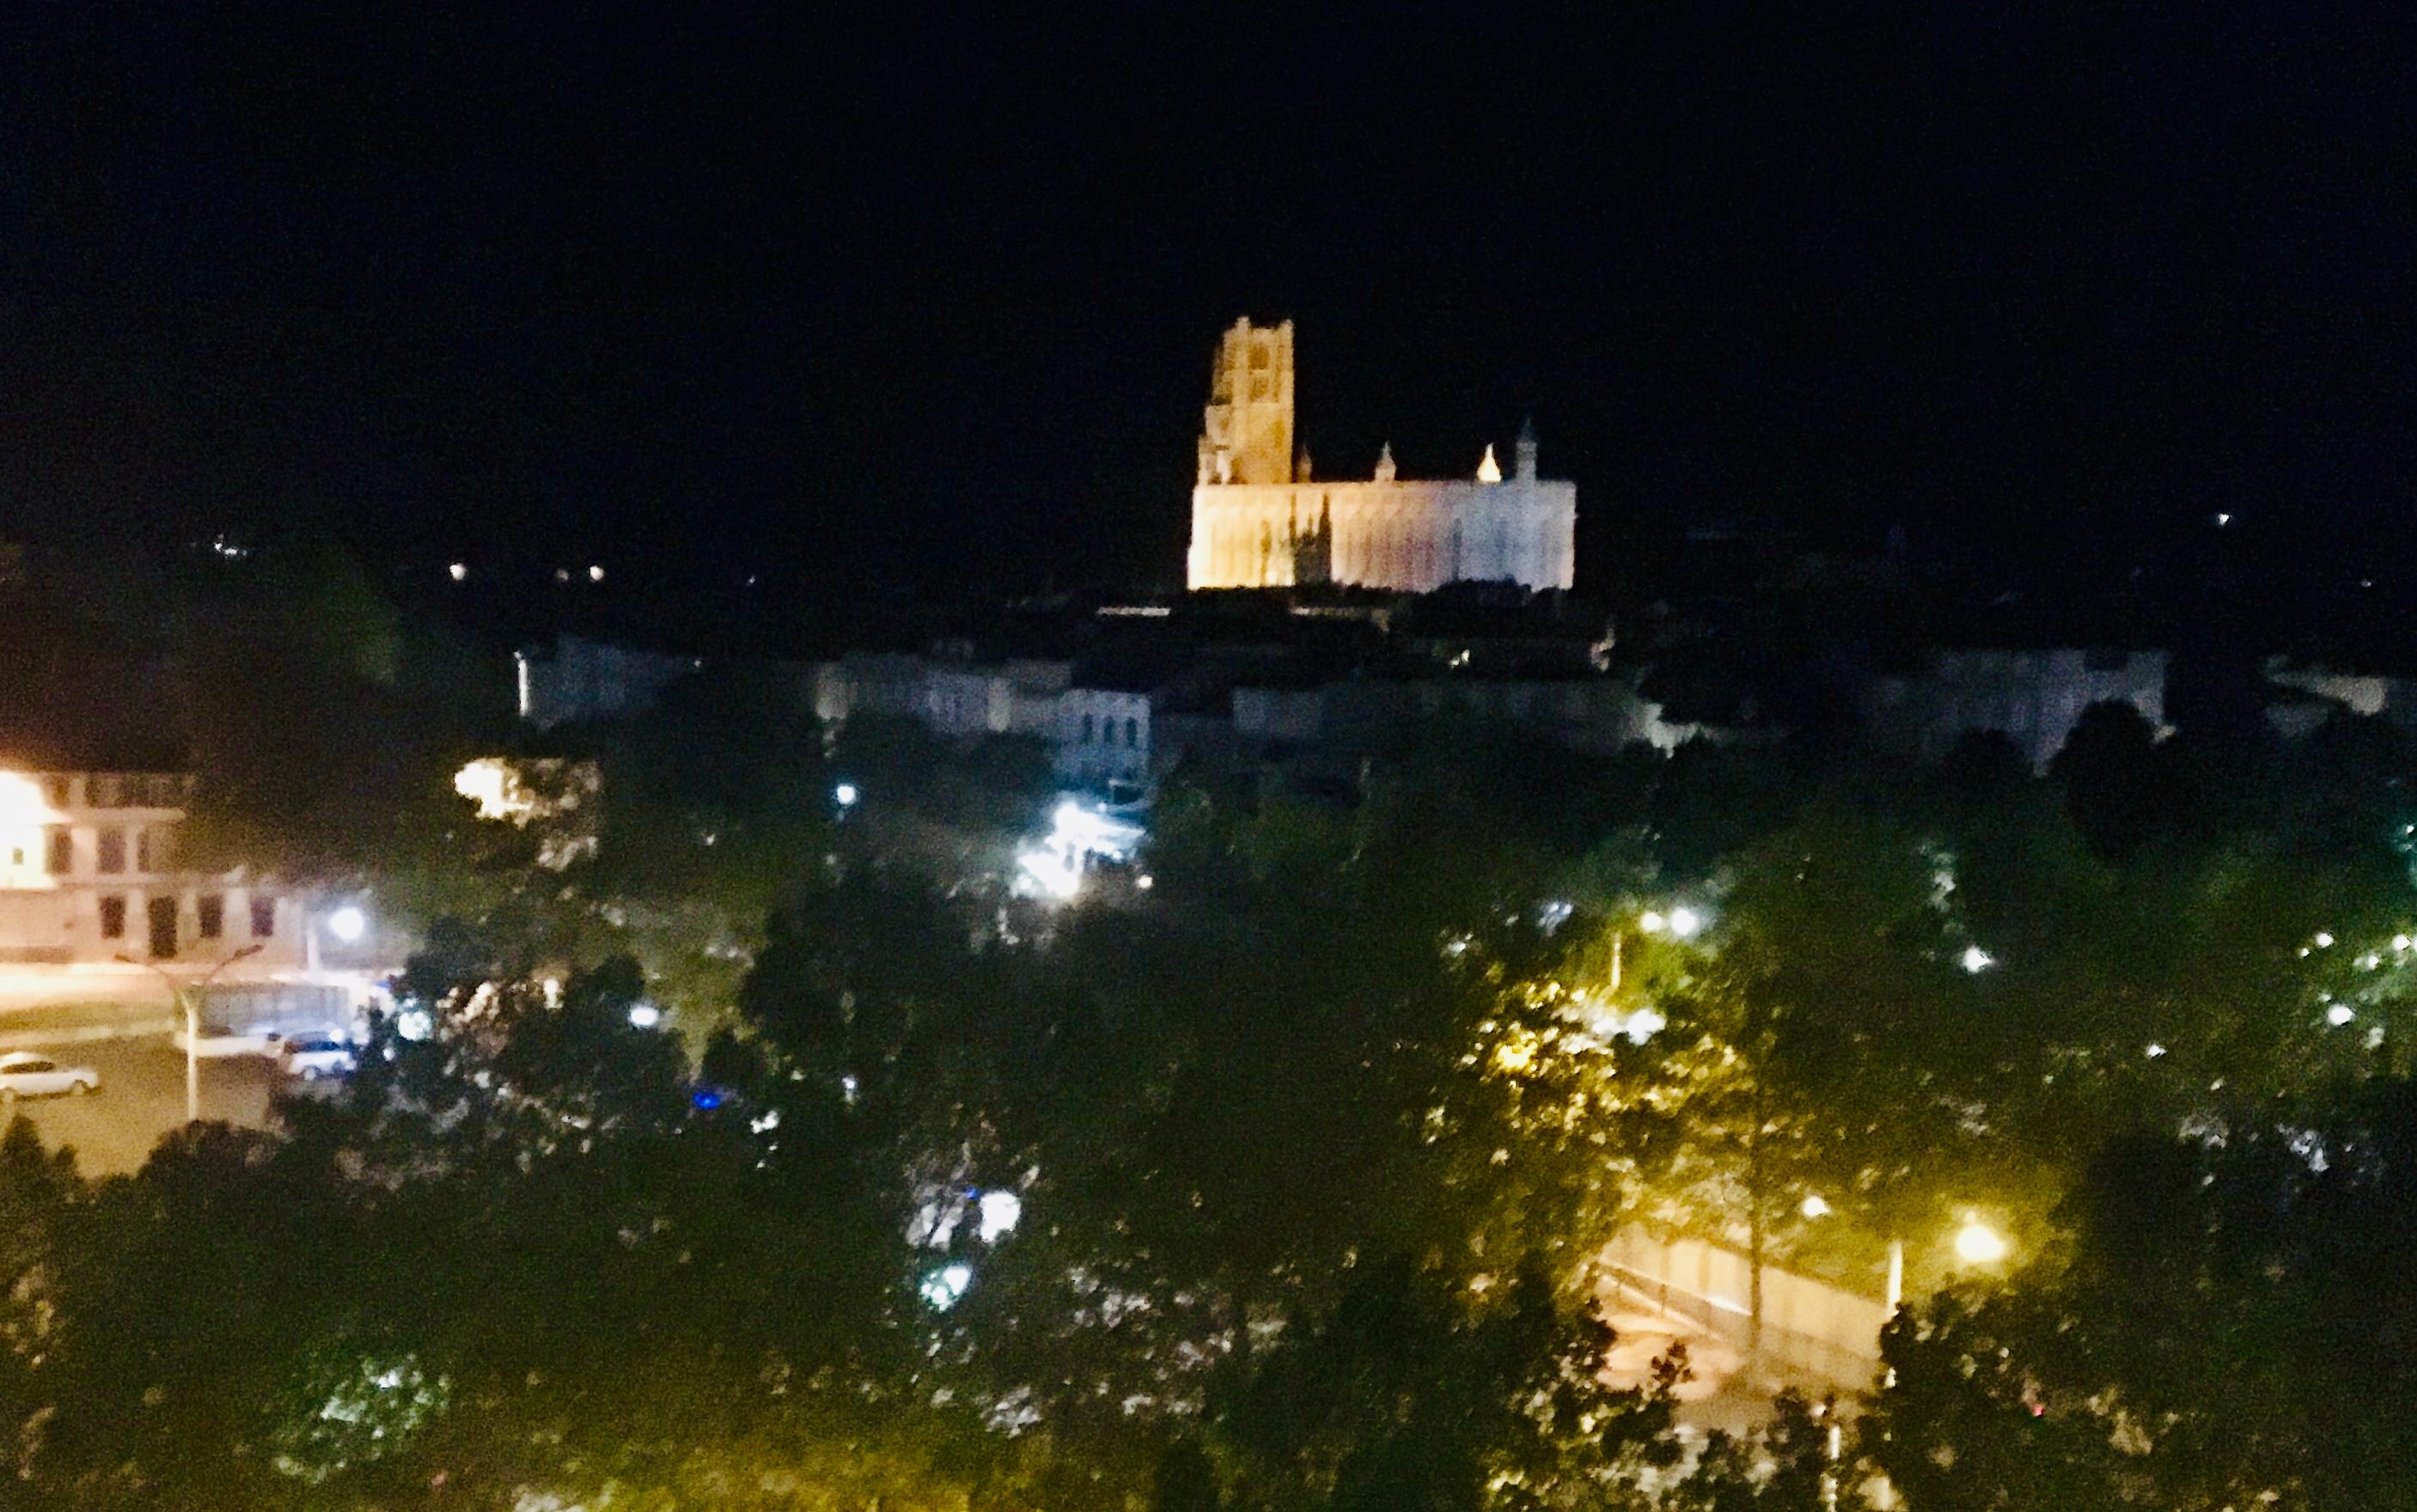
(1385, 464)
(1489, 471)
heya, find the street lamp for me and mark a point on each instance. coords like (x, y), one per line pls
(1977, 1244)
(188, 997)
(346, 922)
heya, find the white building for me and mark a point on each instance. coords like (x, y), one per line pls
(1260, 521)
(1104, 735)
(90, 874)
(2033, 698)
(590, 680)
(1598, 715)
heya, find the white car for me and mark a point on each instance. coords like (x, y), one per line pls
(27, 1073)
(313, 1056)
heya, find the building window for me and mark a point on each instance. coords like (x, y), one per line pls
(210, 909)
(1087, 730)
(145, 860)
(113, 918)
(163, 790)
(264, 917)
(1133, 734)
(54, 789)
(61, 846)
(107, 790)
(113, 850)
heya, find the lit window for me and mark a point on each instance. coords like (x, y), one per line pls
(264, 917)
(113, 850)
(113, 918)
(210, 909)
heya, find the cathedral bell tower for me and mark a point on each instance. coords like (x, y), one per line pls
(1246, 434)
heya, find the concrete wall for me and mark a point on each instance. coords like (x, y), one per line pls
(1823, 1335)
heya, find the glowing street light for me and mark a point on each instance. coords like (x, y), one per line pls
(944, 1287)
(645, 1016)
(1975, 960)
(845, 795)
(1814, 1206)
(1001, 1211)
(1685, 921)
(347, 923)
(2339, 1014)
(1977, 1244)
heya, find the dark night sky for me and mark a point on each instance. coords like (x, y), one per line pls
(710, 288)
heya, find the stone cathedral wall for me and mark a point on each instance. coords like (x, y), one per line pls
(1412, 536)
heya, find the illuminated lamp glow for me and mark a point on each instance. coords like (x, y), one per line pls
(1685, 921)
(2339, 1014)
(1814, 1206)
(1977, 1244)
(645, 1016)
(595, 574)
(1047, 874)
(22, 801)
(2324, 939)
(1652, 922)
(348, 924)
(1976, 959)
(458, 571)
(1000, 1213)
(845, 795)
(942, 1288)
(493, 785)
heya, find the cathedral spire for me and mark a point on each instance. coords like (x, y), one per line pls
(1523, 451)
(1384, 463)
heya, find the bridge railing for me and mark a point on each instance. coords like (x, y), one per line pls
(1815, 1335)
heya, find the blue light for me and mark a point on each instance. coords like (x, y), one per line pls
(707, 1099)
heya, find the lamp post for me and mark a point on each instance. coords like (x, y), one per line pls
(185, 997)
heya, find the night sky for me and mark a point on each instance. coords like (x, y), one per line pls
(706, 290)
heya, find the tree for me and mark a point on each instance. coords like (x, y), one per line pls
(2226, 1324)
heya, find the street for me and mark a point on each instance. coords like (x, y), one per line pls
(142, 1097)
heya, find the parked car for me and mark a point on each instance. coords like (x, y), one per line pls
(313, 1056)
(27, 1073)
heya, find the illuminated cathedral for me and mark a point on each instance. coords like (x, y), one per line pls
(1260, 521)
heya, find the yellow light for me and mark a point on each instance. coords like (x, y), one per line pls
(1977, 1244)
(22, 801)
(496, 789)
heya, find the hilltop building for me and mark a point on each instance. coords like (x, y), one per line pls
(1260, 521)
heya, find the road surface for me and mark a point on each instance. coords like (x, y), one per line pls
(142, 1097)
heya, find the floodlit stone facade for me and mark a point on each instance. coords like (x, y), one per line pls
(89, 875)
(1260, 521)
